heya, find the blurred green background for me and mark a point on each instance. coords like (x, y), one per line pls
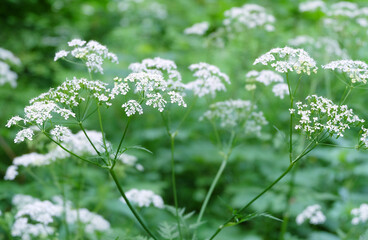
(336, 178)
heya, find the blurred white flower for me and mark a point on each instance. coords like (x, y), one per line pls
(360, 214)
(197, 29)
(143, 198)
(280, 90)
(209, 80)
(356, 70)
(312, 213)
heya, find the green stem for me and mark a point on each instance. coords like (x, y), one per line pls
(101, 127)
(346, 96)
(121, 140)
(173, 179)
(212, 187)
(70, 152)
(291, 165)
(89, 140)
(173, 174)
(288, 203)
(187, 113)
(291, 120)
(136, 215)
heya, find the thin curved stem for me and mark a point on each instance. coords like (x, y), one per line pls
(121, 140)
(89, 140)
(135, 213)
(101, 127)
(173, 174)
(291, 165)
(291, 120)
(212, 187)
(286, 216)
(173, 179)
(70, 152)
(187, 113)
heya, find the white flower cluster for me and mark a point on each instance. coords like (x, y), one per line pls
(360, 214)
(93, 53)
(312, 213)
(312, 6)
(130, 160)
(340, 15)
(144, 198)
(232, 113)
(153, 89)
(267, 77)
(7, 75)
(321, 114)
(149, 8)
(159, 66)
(197, 29)
(209, 80)
(288, 59)
(356, 70)
(364, 137)
(248, 16)
(77, 143)
(34, 216)
(322, 46)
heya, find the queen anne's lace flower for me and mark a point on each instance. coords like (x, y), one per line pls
(312, 213)
(93, 53)
(197, 29)
(248, 16)
(356, 70)
(60, 133)
(209, 80)
(321, 114)
(132, 107)
(360, 214)
(232, 113)
(144, 198)
(288, 59)
(23, 134)
(159, 66)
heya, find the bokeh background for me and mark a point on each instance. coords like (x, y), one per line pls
(335, 178)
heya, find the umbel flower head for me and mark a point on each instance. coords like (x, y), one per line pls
(62, 101)
(159, 66)
(209, 80)
(248, 16)
(321, 115)
(232, 113)
(357, 71)
(92, 53)
(288, 59)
